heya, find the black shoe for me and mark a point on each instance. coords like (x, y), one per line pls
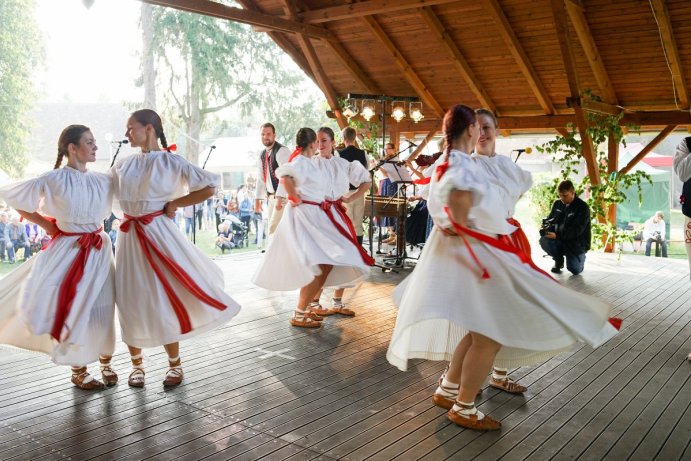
(556, 270)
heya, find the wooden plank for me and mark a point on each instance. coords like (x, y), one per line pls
(418, 86)
(585, 37)
(671, 50)
(459, 61)
(506, 31)
(222, 11)
(612, 165)
(364, 8)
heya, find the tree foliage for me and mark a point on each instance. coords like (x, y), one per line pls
(21, 52)
(207, 65)
(567, 152)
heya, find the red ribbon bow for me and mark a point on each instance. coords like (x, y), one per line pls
(148, 246)
(296, 152)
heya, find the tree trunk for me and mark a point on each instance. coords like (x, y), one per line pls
(148, 71)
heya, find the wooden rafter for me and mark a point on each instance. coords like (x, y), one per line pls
(671, 50)
(585, 37)
(647, 149)
(282, 41)
(317, 69)
(562, 31)
(366, 8)
(612, 162)
(355, 70)
(418, 86)
(245, 16)
(459, 60)
(519, 55)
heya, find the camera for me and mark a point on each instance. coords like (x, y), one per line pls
(547, 226)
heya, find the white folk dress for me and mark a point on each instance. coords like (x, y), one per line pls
(79, 201)
(144, 183)
(306, 238)
(528, 313)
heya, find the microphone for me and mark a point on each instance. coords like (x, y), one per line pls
(213, 147)
(527, 150)
(124, 141)
(411, 143)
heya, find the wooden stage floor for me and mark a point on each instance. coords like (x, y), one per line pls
(260, 389)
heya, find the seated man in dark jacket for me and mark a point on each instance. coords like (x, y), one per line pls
(566, 231)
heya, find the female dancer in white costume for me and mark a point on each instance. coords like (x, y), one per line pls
(61, 301)
(309, 250)
(166, 289)
(341, 174)
(474, 298)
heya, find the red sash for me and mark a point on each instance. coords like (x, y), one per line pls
(68, 287)
(510, 244)
(514, 244)
(328, 206)
(147, 246)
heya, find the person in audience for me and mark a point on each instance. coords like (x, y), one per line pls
(654, 231)
(16, 238)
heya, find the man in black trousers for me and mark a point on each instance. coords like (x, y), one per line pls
(565, 233)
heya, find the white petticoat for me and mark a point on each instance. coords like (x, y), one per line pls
(28, 303)
(146, 315)
(530, 315)
(304, 239)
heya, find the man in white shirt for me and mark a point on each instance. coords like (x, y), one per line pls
(273, 156)
(654, 231)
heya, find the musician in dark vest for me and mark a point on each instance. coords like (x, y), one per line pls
(273, 156)
(682, 167)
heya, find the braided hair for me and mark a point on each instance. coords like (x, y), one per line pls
(70, 135)
(305, 137)
(456, 121)
(150, 117)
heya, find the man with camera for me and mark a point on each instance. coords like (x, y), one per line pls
(654, 231)
(565, 233)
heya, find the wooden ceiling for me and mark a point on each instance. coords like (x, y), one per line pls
(528, 60)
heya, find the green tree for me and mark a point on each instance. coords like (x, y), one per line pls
(209, 65)
(567, 152)
(21, 52)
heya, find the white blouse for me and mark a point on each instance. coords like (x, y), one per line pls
(340, 174)
(79, 201)
(487, 211)
(309, 180)
(510, 180)
(144, 183)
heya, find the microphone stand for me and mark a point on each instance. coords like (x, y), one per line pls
(108, 223)
(371, 217)
(194, 207)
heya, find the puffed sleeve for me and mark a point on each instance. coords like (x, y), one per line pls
(297, 169)
(517, 178)
(357, 174)
(24, 195)
(197, 178)
(462, 175)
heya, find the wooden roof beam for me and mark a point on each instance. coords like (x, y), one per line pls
(516, 49)
(647, 149)
(671, 51)
(245, 16)
(418, 86)
(585, 37)
(562, 31)
(365, 8)
(318, 70)
(459, 60)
